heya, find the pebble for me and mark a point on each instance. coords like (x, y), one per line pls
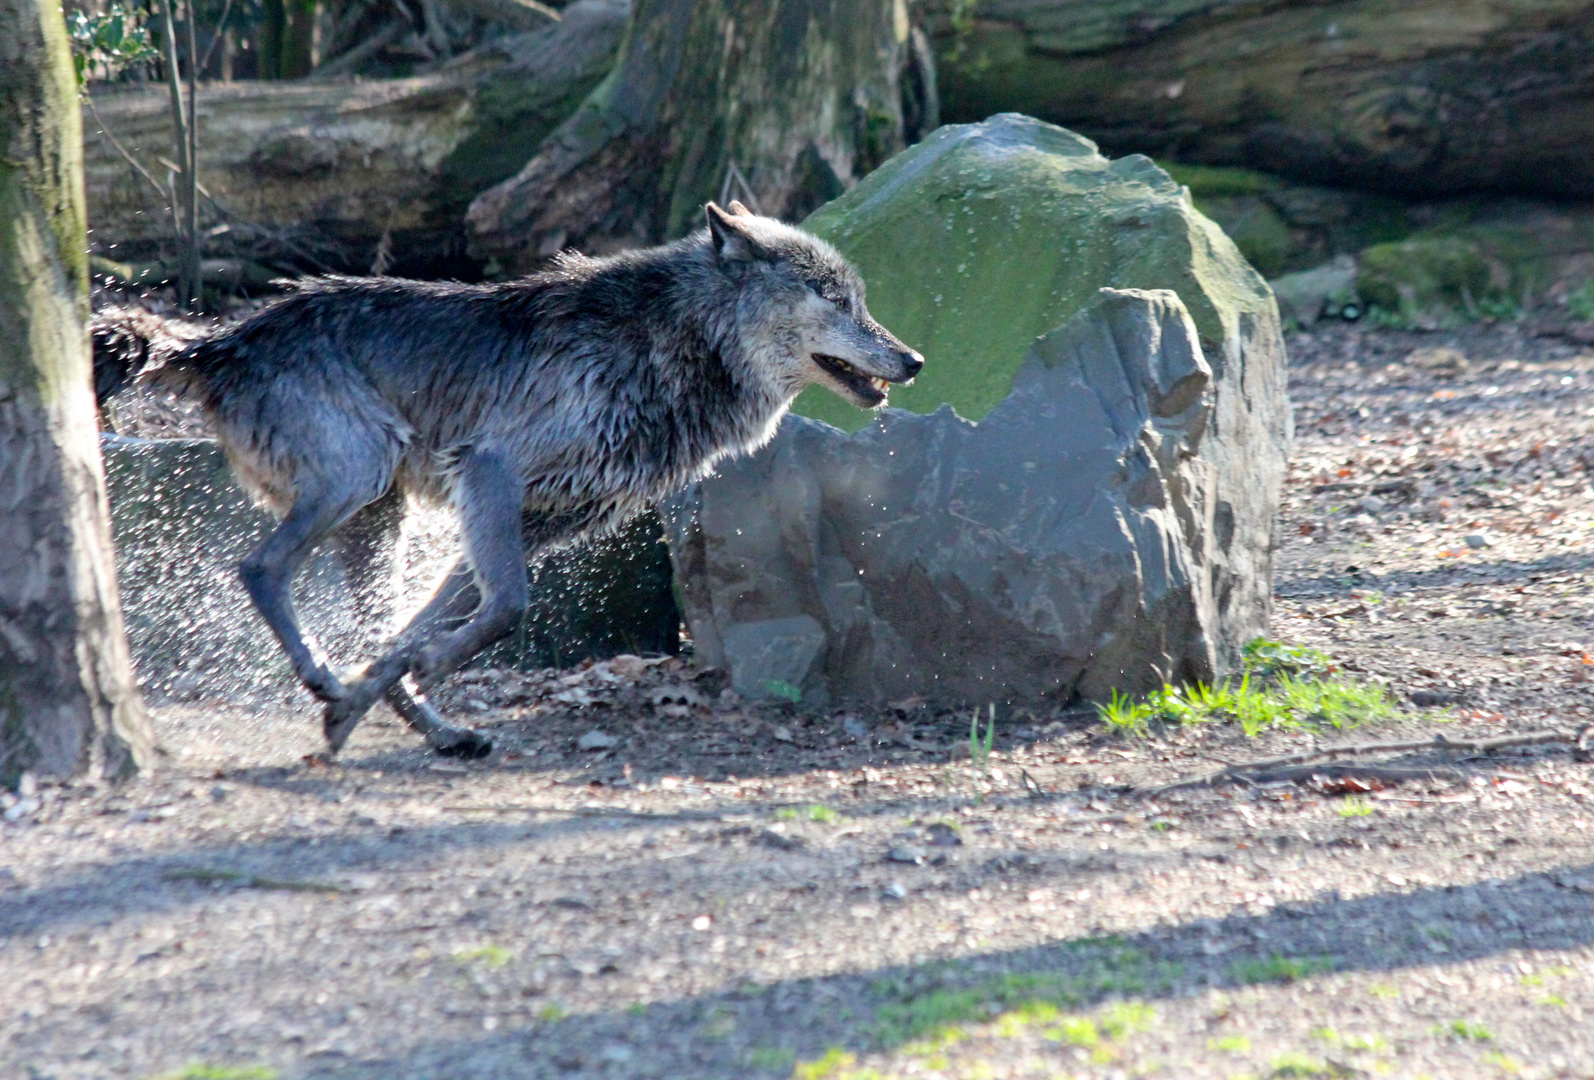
(779, 841)
(596, 740)
(1372, 504)
(1477, 540)
(906, 854)
(894, 890)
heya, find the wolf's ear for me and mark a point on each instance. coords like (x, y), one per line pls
(728, 234)
(738, 209)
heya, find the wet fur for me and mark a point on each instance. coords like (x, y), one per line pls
(543, 408)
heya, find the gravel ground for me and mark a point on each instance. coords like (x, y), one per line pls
(714, 890)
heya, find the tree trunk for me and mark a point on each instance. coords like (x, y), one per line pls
(312, 174)
(1418, 96)
(68, 704)
(298, 46)
(273, 32)
(782, 104)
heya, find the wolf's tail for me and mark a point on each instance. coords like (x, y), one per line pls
(134, 344)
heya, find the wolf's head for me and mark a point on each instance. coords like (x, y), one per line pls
(803, 305)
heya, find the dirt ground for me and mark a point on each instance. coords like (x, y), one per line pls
(713, 890)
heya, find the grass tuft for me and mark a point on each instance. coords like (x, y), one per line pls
(490, 956)
(1465, 1030)
(1355, 806)
(1278, 969)
(1283, 687)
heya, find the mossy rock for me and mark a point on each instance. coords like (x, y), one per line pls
(1444, 278)
(1257, 229)
(1206, 181)
(986, 236)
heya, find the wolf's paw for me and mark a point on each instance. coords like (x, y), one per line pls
(425, 669)
(324, 685)
(339, 718)
(460, 743)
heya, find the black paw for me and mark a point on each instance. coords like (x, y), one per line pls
(325, 686)
(462, 743)
(340, 717)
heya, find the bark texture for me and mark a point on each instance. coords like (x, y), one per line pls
(1419, 96)
(331, 167)
(783, 104)
(68, 704)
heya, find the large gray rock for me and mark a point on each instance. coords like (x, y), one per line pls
(1074, 541)
(181, 527)
(1088, 497)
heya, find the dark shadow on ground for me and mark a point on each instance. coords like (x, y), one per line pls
(758, 1030)
(119, 888)
(1342, 581)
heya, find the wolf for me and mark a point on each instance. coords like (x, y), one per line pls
(542, 409)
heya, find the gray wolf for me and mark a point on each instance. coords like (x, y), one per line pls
(542, 409)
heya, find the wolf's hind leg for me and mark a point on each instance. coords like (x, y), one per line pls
(489, 495)
(449, 606)
(494, 588)
(440, 735)
(367, 545)
(269, 571)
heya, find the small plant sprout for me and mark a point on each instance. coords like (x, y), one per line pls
(980, 746)
(1122, 713)
(784, 691)
(1355, 806)
(1466, 1030)
(488, 956)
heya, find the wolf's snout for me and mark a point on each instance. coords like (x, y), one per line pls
(912, 364)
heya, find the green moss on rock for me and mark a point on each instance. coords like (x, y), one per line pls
(986, 236)
(1258, 230)
(1442, 278)
(1211, 180)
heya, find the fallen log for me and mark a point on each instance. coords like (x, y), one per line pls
(1417, 96)
(314, 173)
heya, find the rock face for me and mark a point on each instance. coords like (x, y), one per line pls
(1088, 504)
(181, 526)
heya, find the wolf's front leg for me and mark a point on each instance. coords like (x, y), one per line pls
(268, 574)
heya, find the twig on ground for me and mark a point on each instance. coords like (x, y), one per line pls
(247, 881)
(1289, 767)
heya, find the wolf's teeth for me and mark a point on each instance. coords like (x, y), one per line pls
(879, 384)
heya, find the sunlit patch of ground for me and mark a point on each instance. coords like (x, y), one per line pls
(721, 890)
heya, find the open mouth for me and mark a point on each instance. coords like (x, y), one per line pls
(870, 390)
